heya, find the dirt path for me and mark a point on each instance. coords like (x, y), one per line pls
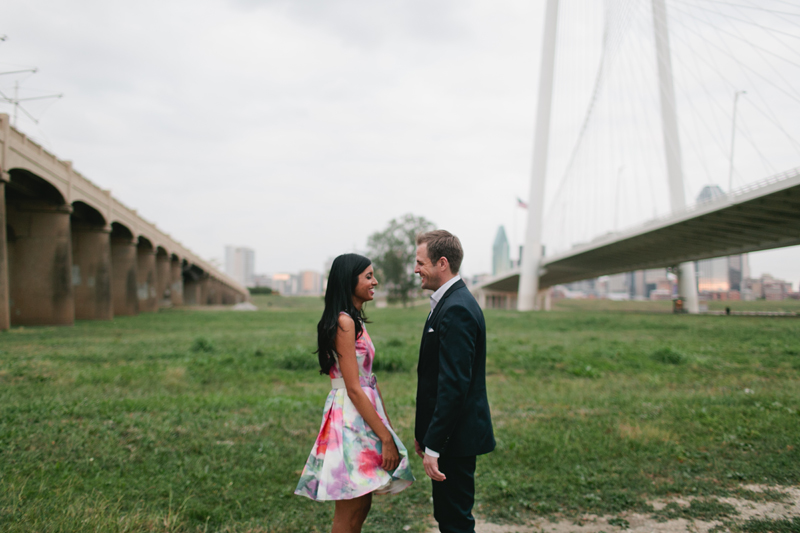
(644, 523)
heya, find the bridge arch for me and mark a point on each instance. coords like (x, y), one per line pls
(24, 184)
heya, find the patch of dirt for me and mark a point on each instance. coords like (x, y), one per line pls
(645, 523)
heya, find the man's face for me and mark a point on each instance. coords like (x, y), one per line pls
(428, 272)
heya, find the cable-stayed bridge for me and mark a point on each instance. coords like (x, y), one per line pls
(642, 104)
(755, 218)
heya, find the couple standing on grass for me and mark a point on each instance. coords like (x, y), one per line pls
(357, 452)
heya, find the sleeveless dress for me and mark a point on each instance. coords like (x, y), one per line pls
(345, 462)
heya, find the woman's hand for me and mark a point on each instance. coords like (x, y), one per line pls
(390, 455)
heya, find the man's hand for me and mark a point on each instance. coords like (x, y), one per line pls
(418, 449)
(431, 465)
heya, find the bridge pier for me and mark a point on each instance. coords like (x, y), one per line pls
(123, 272)
(213, 296)
(687, 287)
(235, 297)
(146, 276)
(191, 292)
(543, 300)
(163, 279)
(219, 297)
(176, 282)
(193, 279)
(39, 252)
(5, 317)
(91, 272)
(203, 292)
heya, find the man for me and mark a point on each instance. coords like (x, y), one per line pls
(453, 424)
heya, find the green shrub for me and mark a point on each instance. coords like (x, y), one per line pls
(202, 344)
(297, 359)
(669, 356)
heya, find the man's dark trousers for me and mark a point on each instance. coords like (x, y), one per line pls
(453, 497)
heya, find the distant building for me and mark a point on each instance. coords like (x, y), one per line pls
(651, 284)
(721, 278)
(240, 264)
(769, 288)
(309, 283)
(501, 253)
(285, 284)
(710, 193)
(304, 283)
(262, 280)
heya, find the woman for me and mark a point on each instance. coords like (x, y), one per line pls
(357, 453)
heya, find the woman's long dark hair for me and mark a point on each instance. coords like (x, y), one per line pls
(342, 283)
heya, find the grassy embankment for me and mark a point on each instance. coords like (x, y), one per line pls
(202, 420)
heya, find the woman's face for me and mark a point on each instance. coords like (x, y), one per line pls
(365, 288)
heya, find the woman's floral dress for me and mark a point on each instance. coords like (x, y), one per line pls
(345, 461)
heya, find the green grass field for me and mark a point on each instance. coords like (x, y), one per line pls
(202, 420)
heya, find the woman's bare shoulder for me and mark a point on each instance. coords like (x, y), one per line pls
(346, 321)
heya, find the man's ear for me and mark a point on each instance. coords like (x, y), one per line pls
(444, 262)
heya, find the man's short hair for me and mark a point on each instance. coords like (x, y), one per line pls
(442, 243)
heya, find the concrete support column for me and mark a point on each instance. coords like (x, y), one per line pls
(163, 280)
(480, 296)
(40, 266)
(204, 292)
(687, 287)
(217, 296)
(191, 292)
(227, 295)
(543, 299)
(146, 278)
(236, 296)
(233, 296)
(176, 283)
(91, 273)
(123, 277)
(5, 317)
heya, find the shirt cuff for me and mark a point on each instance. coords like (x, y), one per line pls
(430, 452)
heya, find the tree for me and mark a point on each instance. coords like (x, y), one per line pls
(393, 251)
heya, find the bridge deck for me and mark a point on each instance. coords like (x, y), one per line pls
(761, 217)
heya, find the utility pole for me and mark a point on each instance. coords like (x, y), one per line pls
(15, 100)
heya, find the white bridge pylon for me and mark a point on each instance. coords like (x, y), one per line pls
(529, 295)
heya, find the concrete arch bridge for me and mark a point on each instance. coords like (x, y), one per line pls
(69, 250)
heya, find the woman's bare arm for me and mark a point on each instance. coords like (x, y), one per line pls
(348, 363)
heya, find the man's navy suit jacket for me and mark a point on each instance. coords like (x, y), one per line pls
(452, 408)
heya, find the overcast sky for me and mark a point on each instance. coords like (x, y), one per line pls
(294, 128)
